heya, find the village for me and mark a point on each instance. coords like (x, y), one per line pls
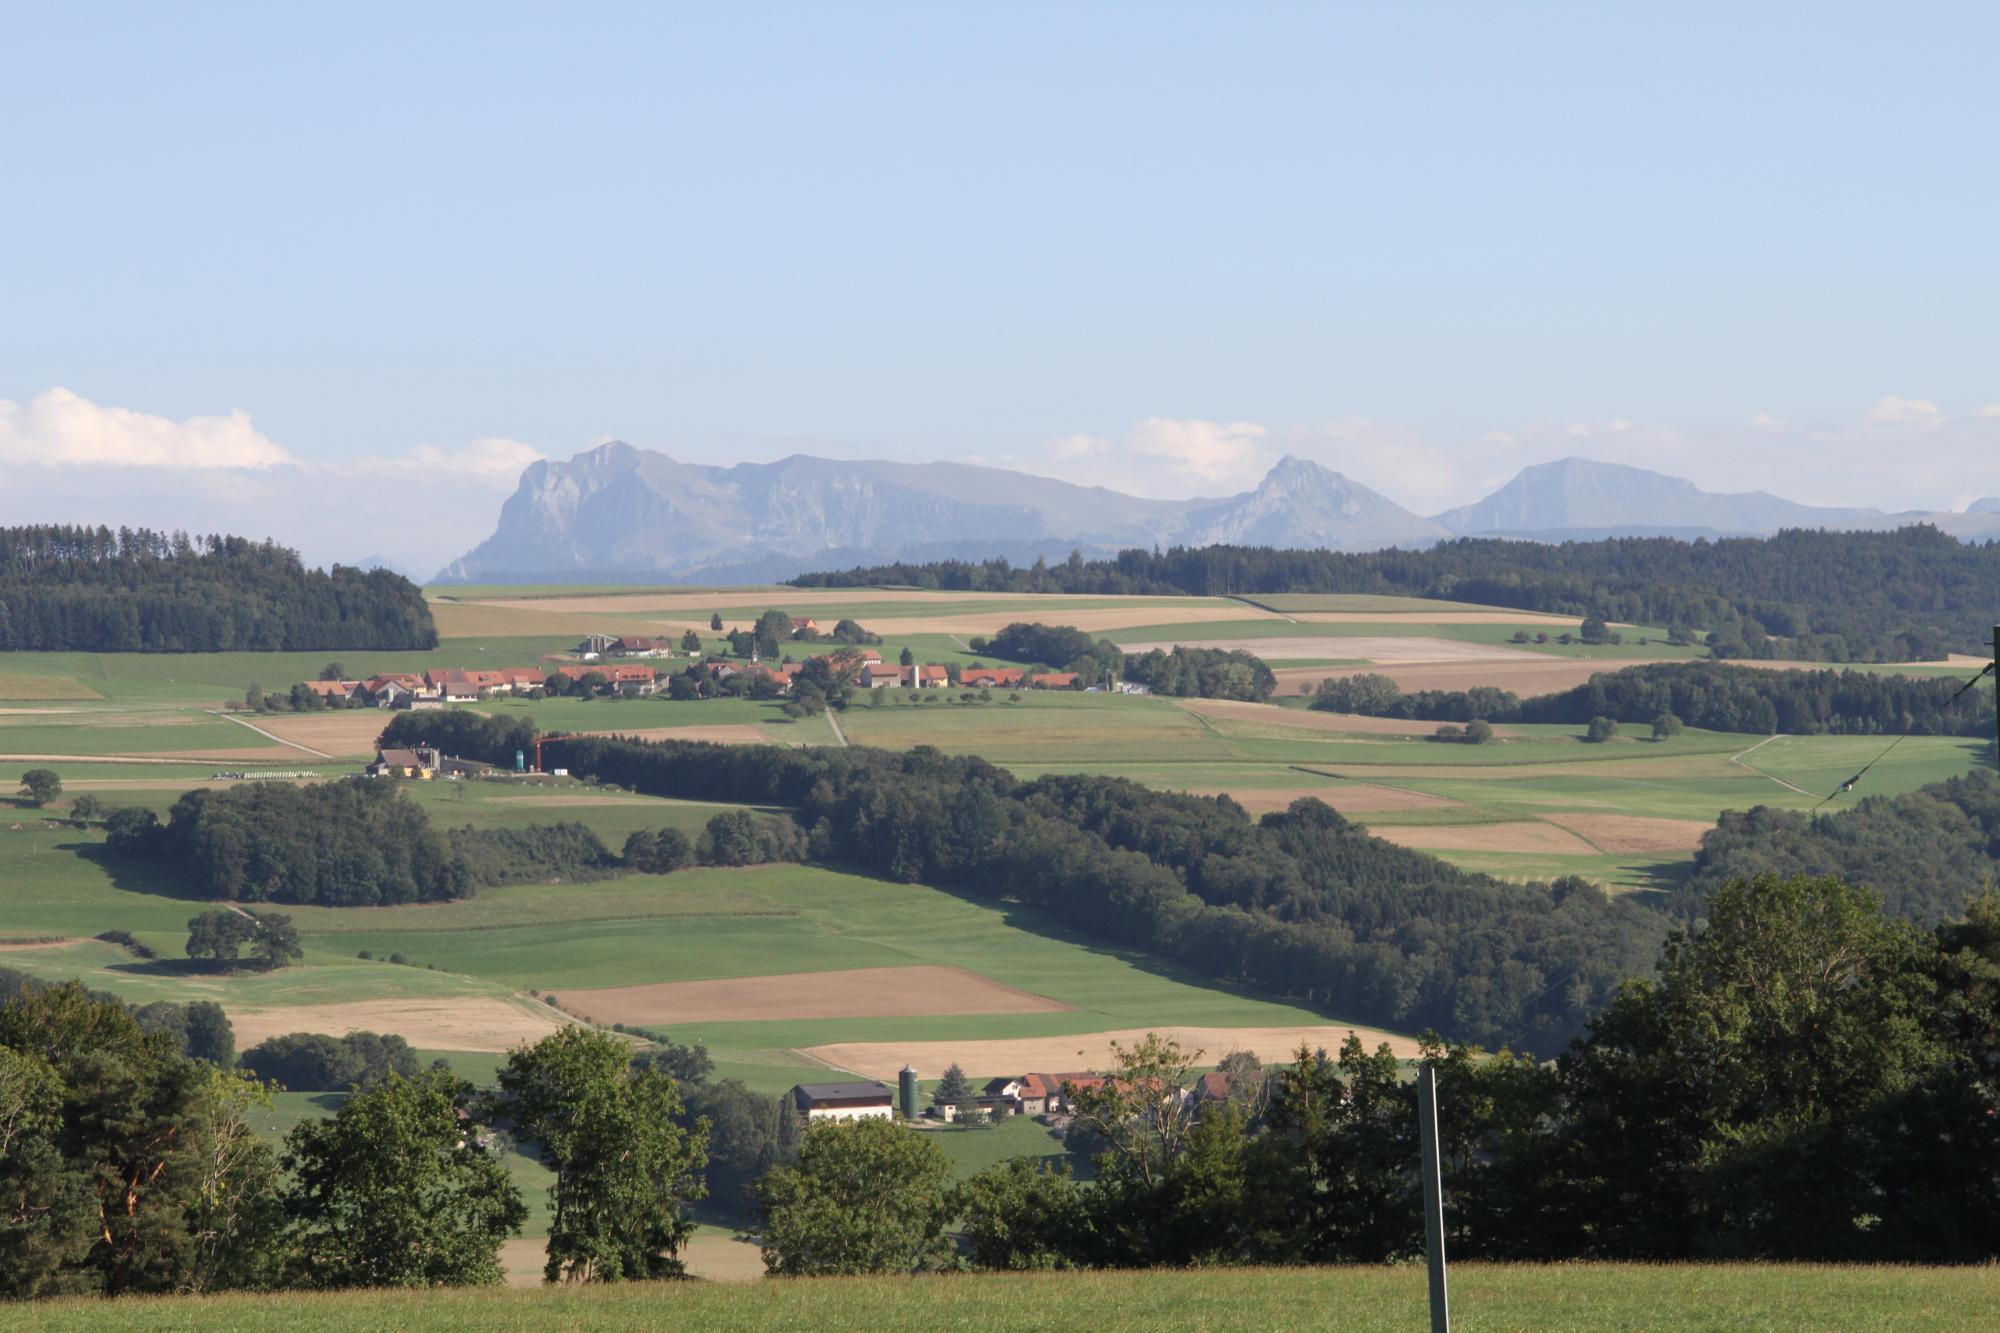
(604, 665)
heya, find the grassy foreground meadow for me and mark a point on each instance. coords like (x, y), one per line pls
(1484, 1297)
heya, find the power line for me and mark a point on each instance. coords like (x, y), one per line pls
(1848, 785)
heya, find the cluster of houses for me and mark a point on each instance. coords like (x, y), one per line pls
(1046, 1095)
(452, 685)
(438, 687)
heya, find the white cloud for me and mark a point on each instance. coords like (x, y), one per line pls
(72, 460)
(1765, 421)
(62, 428)
(1990, 410)
(1078, 446)
(490, 458)
(1165, 457)
(1891, 410)
(1209, 452)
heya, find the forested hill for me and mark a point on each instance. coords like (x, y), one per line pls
(1301, 903)
(1907, 595)
(79, 589)
(1927, 853)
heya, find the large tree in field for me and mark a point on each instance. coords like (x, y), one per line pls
(124, 1166)
(219, 934)
(866, 1196)
(395, 1191)
(625, 1171)
(40, 786)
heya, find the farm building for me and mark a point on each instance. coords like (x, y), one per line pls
(421, 762)
(1053, 680)
(867, 1100)
(1004, 677)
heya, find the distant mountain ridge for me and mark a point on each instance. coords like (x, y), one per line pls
(617, 513)
(1580, 495)
(621, 511)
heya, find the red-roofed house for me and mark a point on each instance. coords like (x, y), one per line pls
(927, 677)
(1006, 677)
(334, 691)
(1053, 680)
(875, 675)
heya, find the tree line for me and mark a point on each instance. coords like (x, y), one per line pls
(1712, 695)
(1802, 1078)
(1301, 903)
(83, 589)
(1183, 672)
(1908, 595)
(359, 842)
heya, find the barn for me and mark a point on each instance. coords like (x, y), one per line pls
(868, 1100)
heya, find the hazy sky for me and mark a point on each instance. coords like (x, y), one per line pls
(286, 263)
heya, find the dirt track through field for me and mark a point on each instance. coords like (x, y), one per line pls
(868, 992)
(1626, 834)
(1085, 1050)
(473, 1023)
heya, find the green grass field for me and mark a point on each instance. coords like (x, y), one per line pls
(1669, 1298)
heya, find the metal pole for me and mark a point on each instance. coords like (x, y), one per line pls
(1433, 1191)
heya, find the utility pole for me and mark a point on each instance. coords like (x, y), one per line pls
(1996, 696)
(1433, 1189)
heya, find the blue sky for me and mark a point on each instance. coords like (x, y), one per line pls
(1425, 244)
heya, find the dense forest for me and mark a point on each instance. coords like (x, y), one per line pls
(1927, 853)
(1302, 903)
(78, 589)
(1909, 595)
(1711, 695)
(356, 843)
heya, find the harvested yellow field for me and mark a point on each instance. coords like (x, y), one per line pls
(1529, 835)
(1627, 834)
(30, 688)
(866, 992)
(348, 733)
(467, 1024)
(1086, 1050)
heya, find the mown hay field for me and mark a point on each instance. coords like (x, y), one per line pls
(1668, 1298)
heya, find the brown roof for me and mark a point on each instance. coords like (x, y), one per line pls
(401, 759)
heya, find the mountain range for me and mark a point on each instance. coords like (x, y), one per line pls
(617, 513)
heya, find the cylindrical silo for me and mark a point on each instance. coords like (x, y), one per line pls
(907, 1086)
